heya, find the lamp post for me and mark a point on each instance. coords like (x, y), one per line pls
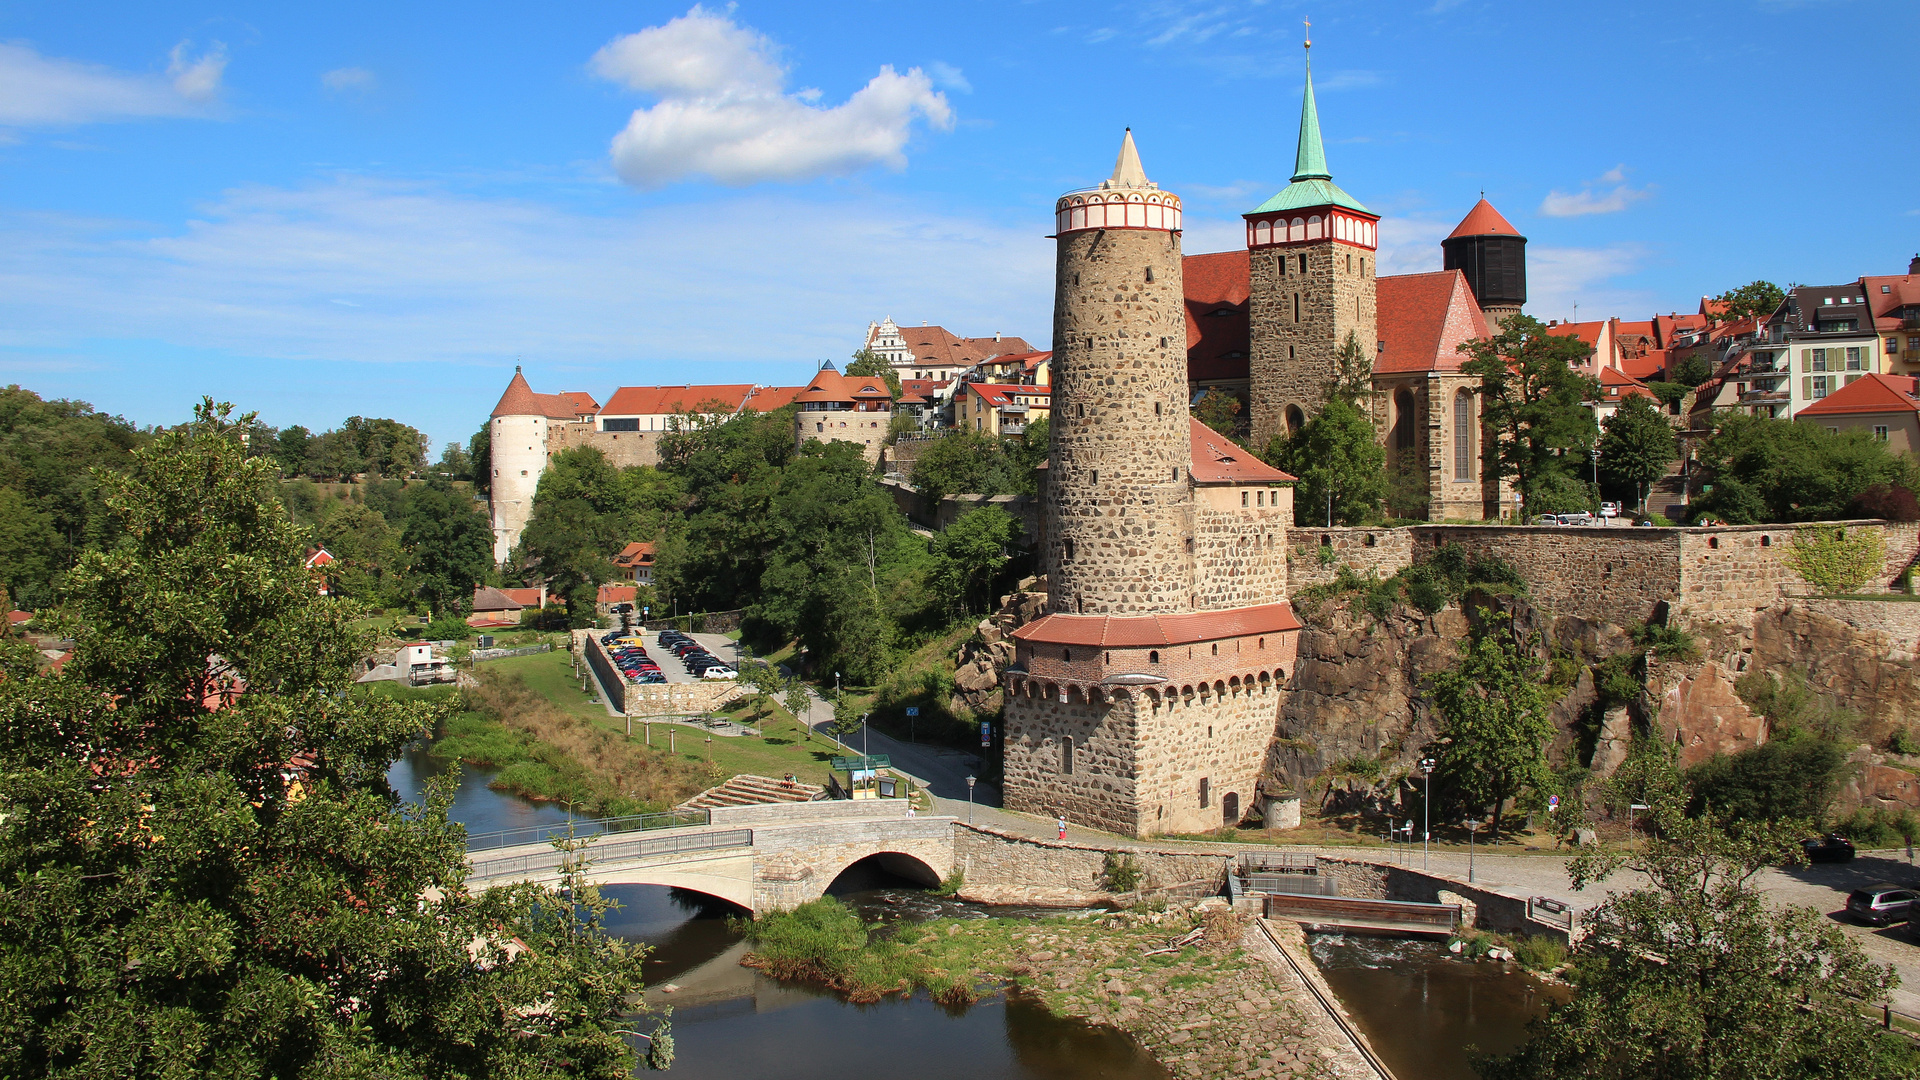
(970, 780)
(1473, 829)
(1426, 815)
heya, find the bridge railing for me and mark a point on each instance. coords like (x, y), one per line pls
(602, 852)
(540, 834)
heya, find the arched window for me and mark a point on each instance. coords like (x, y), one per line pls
(1153, 657)
(1463, 435)
(1403, 419)
(1263, 233)
(1298, 230)
(1295, 419)
(1066, 756)
(1313, 227)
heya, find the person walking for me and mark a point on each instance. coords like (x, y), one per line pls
(1063, 828)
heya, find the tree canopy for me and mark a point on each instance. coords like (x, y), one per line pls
(203, 870)
(868, 363)
(1340, 465)
(1220, 411)
(1535, 400)
(48, 451)
(1764, 470)
(1758, 299)
(1637, 446)
(1494, 730)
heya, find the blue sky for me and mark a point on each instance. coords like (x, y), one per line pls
(378, 209)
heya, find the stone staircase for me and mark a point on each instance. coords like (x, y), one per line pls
(747, 789)
(1665, 497)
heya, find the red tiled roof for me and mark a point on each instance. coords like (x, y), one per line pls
(1652, 363)
(520, 400)
(319, 557)
(1668, 327)
(526, 598)
(637, 553)
(1588, 332)
(1218, 331)
(832, 386)
(666, 400)
(996, 394)
(1871, 393)
(1424, 319)
(582, 402)
(488, 598)
(1483, 220)
(617, 594)
(934, 345)
(1218, 460)
(768, 398)
(1615, 384)
(1902, 290)
(16, 617)
(1140, 631)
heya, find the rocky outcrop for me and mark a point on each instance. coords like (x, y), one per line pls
(1702, 713)
(985, 656)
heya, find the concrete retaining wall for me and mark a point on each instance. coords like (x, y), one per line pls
(1002, 865)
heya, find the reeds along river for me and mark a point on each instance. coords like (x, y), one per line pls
(1419, 1007)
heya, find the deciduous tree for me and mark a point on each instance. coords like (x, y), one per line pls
(1535, 401)
(203, 871)
(1340, 465)
(1764, 470)
(1758, 299)
(867, 363)
(1220, 411)
(1494, 730)
(1637, 446)
(1695, 976)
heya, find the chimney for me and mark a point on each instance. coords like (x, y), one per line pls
(1914, 266)
(996, 335)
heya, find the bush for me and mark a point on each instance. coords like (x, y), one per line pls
(1790, 778)
(1890, 501)
(1667, 642)
(1876, 827)
(1120, 873)
(1540, 952)
(448, 628)
(1903, 742)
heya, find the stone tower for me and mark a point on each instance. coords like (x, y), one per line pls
(518, 446)
(1144, 700)
(1493, 256)
(1118, 512)
(1311, 281)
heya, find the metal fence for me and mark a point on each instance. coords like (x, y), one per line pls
(547, 861)
(481, 656)
(537, 834)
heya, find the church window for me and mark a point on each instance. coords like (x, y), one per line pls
(1067, 655)
(1216, 648)
(1356, 307)
(1363, 266)
(1463, 435)
(1096, 477)
(1313, 227)
(1176, 473)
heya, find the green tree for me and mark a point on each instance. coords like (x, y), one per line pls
(1637, 447)
(1758, 299)
(372, 564)
(1792, 777)
(290, 449)
(1764, 470)
(27, 548)
(969, 553)
(455, 462)
(1341, 468)
(202, 880)
(1695, 976)
(449, 545)
(869, 364)
(578, 524)
(1535, 401)
(798, 700)
(48, 453)
(1352, 372)
(1220, 411)
(1494, 730)
(1693, 370)
(480, 450)
(965, 463)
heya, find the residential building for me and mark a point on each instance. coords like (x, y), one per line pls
(1895, 302)
(1885, 406)
(666, 408)
(635, 563)
(503, 607)
(1829, 338)
(1000, 408)
(932, 352)
(318, 561)
(841, 408)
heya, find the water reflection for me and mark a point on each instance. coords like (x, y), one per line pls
(478, 807)
(1422, 1008)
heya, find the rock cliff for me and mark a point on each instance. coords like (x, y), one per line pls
(985, 656)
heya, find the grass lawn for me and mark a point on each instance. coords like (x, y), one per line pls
(781, 748)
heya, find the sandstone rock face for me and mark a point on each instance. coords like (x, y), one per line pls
(976, 677)
(1704, 714)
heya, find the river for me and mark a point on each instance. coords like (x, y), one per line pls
(1418, 1006)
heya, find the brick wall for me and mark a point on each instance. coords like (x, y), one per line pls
(1382, 552)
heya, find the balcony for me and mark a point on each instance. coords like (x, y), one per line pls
(1008, 427)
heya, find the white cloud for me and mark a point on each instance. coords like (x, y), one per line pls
(724, 111)
(395, 275)
(1563, 282)
(948, 77)
(38, 90)
(197, 80)
(349, 80)
(1591, 199)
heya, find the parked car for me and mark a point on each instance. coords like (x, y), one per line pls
(1878, 905)
(1577, 518)
(719, 671)
(1609, 509)
(1829, 848)
(1546, 519)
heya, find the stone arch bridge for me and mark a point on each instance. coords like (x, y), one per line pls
(763, 858)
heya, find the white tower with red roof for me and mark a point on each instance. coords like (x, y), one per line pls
(519, 450)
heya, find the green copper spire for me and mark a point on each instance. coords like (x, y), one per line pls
(1310, 162)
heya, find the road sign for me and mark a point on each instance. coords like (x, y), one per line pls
(1553, 802)
(986, 733)
(913, 710)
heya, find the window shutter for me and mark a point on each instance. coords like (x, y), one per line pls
(1806, 387)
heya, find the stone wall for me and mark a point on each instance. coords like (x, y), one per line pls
(1297, 322)
(622, 448)
(1895, 622)
(1613, 574)
(1004, 867)
(1099, 792)
(1380, 552)
(864, 428)
(652, 699)
(1239, 556)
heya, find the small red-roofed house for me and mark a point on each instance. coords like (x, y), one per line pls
(504, 607)
(1615, 387)
(1885, 406)
(842, 408)
(1000, 408)
(16, 619)
(319, 560)
(635, 562)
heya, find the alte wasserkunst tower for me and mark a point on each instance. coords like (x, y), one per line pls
(1144, 701)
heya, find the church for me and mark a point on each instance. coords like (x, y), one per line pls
(1264, 325)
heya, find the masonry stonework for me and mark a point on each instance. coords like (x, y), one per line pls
(1300, 317)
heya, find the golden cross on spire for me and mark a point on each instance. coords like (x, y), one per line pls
(1309, 25)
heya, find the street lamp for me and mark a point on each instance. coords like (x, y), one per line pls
(1426, 814)
(1473, 829)
(970, 780)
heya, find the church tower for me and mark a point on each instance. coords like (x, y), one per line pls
(1120, 401)
(1493, 255)
(1144, 700)
(1311, 278)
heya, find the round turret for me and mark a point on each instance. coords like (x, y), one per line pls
(1119, 502)
(518, 447)
(1493, 256)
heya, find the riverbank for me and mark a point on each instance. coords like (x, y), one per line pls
(1202, 989)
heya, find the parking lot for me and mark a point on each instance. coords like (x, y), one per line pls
(671, 666)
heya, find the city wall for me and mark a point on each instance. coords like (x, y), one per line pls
(622, 448)
(1003, 867)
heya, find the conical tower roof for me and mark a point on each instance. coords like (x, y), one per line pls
(1127, 171)
(519, 400)
(1312, 184)
(1483, 220)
